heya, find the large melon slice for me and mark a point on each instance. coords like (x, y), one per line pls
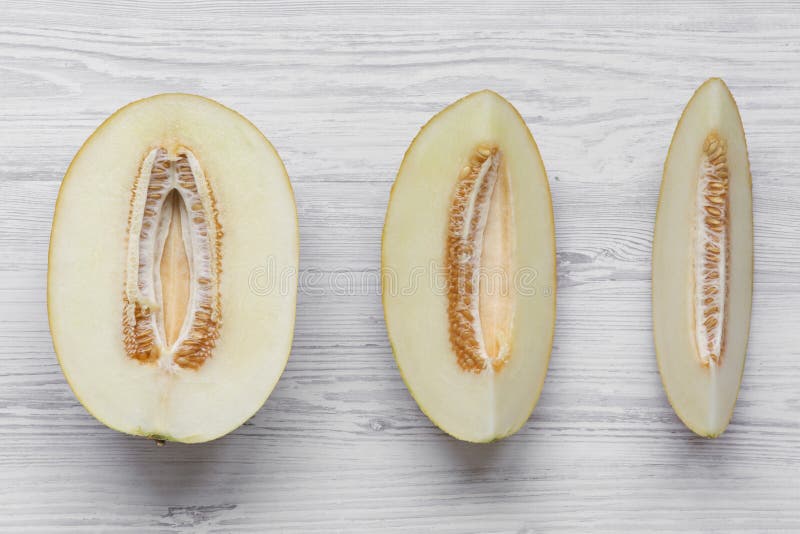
(167, 222)
(469, 269)
(703, 261)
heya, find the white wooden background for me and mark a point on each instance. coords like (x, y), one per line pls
(341, 89)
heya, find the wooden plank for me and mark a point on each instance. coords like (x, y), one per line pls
(340, 89)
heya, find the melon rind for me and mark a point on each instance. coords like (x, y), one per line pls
(471, 407)
(88, 242)
(703, 397)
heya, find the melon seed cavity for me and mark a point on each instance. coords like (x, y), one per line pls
(171, 314)
(478, 258)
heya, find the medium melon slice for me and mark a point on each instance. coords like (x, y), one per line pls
(703, 261)
(469, 269)
(164, 217)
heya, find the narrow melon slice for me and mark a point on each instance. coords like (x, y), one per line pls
(703, 261)
(162, 220)
(469, 269)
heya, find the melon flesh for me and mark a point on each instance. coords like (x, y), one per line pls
(469, 269)
(703, 261)
(164, 217)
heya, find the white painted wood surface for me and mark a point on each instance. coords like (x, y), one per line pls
(341, 89)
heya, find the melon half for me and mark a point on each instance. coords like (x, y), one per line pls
(703, 261)
(163, 218)
(468, 266)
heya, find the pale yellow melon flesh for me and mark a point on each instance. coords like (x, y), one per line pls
(471, 203)
(703, 261)
(162, 218)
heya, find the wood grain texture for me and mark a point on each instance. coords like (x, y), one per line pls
(340, 89)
